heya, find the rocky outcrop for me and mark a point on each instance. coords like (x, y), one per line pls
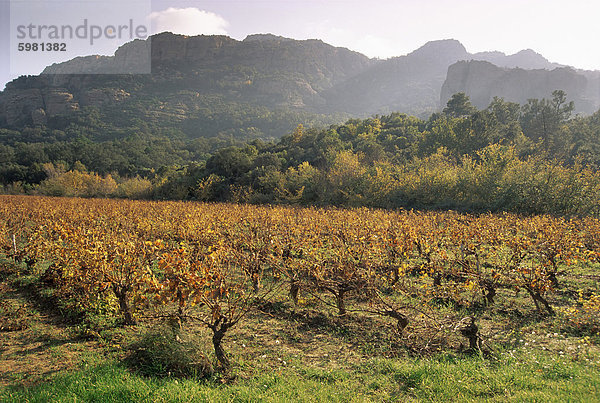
(276, 72)
(473, 78)
(34, 106)
(17, 106)
(264, 69)
(482, 81)
(81, 65)
(59, 102)
(170, 49)
(102, 96)
(39, 117)
(266, 38)
(592, 90)
(131, 58)
(413, 83)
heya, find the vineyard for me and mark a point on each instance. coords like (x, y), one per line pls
(424, 282)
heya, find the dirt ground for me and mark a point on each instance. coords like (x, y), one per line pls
(33, 342)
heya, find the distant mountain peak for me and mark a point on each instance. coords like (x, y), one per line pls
(527, 51)
(443, 45)
(267, 38)
(443, 52)
(527, 59)
(277, 73)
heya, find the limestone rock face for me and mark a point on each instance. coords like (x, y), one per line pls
(38, 117)
(85, 64)
(131, 58)
(18, 105)
(475, 78)
(410, 83)
(59, 102)
(482, 81)
(311, 64)
(134, 58)
(170, 48)
(102, 96)
(279, 73)
(34, 106)
(265, 69)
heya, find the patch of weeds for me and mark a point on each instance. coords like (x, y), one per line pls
(29, 281)
(310, 319)
(94, 327)
(324, 377)
(446, 302)
(272, 307)
(161, 352)
(409, 380)
(13, 317)
(556, 372)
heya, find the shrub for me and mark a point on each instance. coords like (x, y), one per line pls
(162, 353)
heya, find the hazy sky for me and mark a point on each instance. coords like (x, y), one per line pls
(563, 31)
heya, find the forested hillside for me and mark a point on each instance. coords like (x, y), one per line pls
(533, 158)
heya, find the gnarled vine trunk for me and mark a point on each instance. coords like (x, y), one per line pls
(538, 299)
(339, 299)
(217, 340)
(122, 294)
(294, 289)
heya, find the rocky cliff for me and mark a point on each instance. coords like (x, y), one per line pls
(263, 69)
(189, 75)
(481, 81)
(21, 105)
(413, 83)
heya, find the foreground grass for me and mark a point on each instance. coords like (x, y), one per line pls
(296, 359)
(516, 376)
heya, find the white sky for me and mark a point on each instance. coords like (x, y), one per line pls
(563, 31)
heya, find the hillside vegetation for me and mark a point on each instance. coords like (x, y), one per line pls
(535, 158)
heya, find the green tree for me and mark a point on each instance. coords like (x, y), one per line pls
(545, 121)
(459, 105)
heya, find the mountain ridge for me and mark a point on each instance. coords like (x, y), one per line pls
(310, 76)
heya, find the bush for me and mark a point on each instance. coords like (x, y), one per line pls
(162, 353)
(134, 188)
(79, 184)
(584, 320)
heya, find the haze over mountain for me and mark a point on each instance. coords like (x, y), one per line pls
(482, 81)
(196, 79)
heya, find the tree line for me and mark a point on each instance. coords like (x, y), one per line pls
(532, 158)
